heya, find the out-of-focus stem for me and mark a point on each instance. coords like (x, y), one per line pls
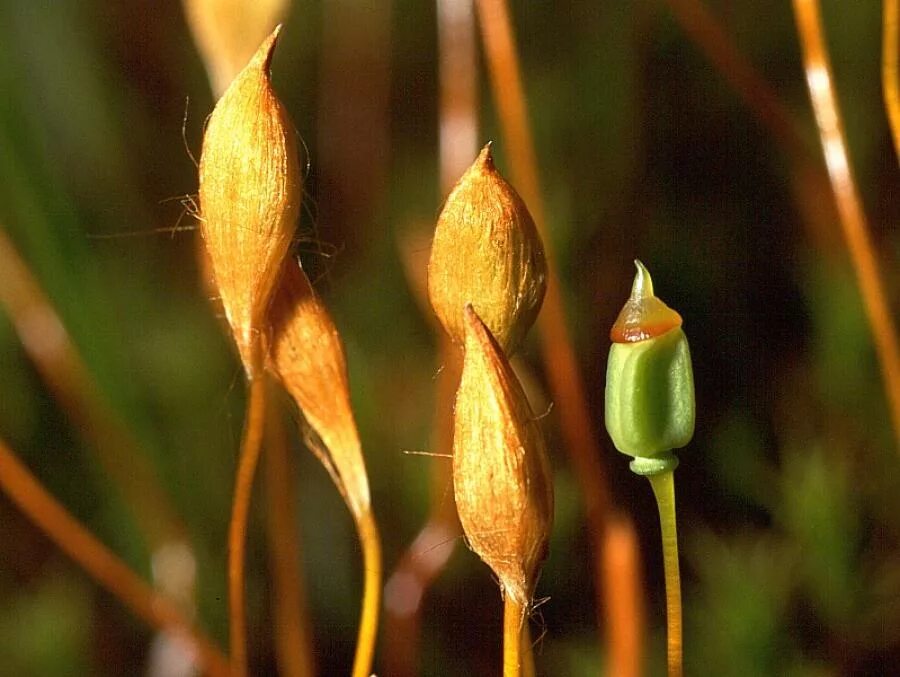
(513, 617)
(237, 531)
(430, 551)
(371, 602)
(101, 564)
(621, 570)
(753, 89)
(559, 358)
(293, 642)
(664, 490)
(459, 89)
(853, 220)
(809, 180)
(889, 71)
(47, 344)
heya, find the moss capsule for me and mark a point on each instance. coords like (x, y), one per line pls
(649, 379)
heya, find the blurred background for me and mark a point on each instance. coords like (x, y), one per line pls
(789, 495)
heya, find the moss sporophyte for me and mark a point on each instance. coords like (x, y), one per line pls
(486, 283)
(649, 412)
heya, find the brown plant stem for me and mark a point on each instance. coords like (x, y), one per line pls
(889, 68)
(819, 79)
(293, 641)
(513, 618)
(560, 362)
(371, 603)
(251, 447)
(100, 563)
(47, 343)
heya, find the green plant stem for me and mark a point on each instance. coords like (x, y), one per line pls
(663, 485)
(368, 623)
(513, 616)
(237, 530)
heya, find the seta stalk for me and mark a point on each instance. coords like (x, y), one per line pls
(650, 411)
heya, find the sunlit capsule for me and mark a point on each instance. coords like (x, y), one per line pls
(649, 379)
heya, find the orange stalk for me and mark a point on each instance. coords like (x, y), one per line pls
(563, 373)
(100, 563)
(293, 641)
(889, 73)
(371, 601)
(819, 79)
(45, 340)
(240, 509)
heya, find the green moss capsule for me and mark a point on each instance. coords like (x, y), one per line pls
(649, 380)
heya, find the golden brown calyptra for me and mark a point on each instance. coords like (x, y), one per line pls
(250, 192)
(487, 252)
(308, 356)
(501, 475)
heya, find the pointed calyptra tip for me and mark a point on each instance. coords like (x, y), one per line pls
(643, 283)
(486, 251)
(263, 56)
(485, 158)
(250, 191)
(643, 316)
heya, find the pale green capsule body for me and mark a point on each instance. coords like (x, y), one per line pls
(649, 386)
(650, 394)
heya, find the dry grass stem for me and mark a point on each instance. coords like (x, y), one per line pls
(889, 68)
(501, 475)
(228, 32)
(486, 251)
(250, 192)
(102, 565)
(819, 79)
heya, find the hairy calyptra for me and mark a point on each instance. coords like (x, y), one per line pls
(486, 252)
(501, 474)
(250, 192)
